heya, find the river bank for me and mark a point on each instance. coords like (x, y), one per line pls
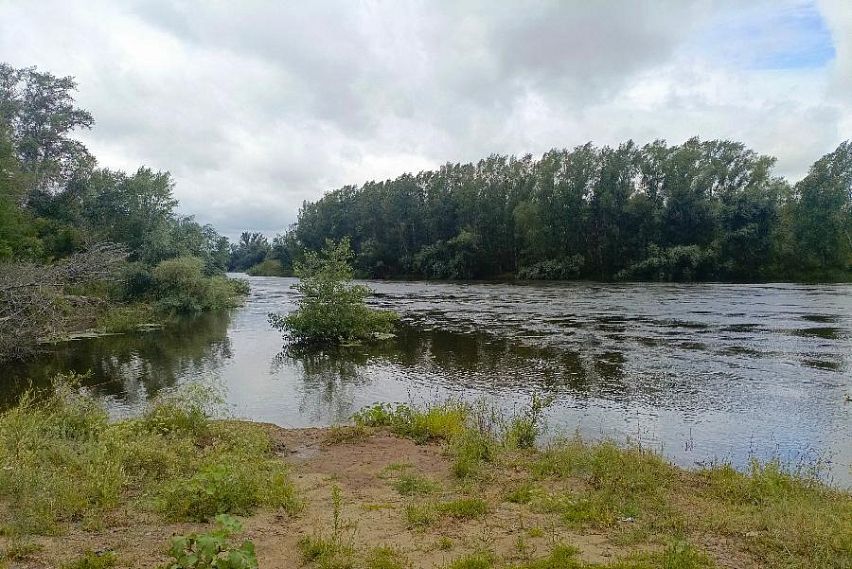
(437, 487)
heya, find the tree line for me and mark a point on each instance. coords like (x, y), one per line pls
(701, 210)
(77, 239)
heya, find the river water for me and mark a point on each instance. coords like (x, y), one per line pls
(704, 373)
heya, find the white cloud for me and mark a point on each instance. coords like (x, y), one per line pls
(258, 106)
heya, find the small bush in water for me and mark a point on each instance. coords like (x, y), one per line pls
(331, 308)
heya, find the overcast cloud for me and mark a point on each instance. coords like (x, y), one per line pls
(256, 106)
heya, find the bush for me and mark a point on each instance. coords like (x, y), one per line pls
(180, 287)
(682, 263)
(331, 308)
(553, 269)
(269, 268)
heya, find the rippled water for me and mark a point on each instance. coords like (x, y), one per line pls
(703, 372)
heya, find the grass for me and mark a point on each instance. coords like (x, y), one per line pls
(478, 560)
(92, 560)
(464, 508)
(20, 551)
(63, 462)
(346, 434)
(414, 485)
(385, 557)
(418, 516)
(636, 497)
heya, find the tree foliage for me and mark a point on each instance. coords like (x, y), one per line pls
(701, 210)
(331, 309)
(56, 205)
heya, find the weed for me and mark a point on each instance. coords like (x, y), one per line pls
(522, 493)
(444, 543)
(213, 550)
(19, 551)
(525, 429)
(439, 422)
(385, 558)
(464, 508)
(411, 484)
(92, 560)
(346, 434)
(479, 560)
(420, 515)
(560, 557)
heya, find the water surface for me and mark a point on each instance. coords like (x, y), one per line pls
(703, 372)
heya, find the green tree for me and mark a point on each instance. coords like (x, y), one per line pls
(822, 221)
(331, 309)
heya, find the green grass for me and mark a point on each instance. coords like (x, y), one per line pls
(385, 558)
(414, 485)
(418, 516)
(62, 461)
(464, 508)
(438, 422)
(19, 551)
(522, 493)
(478, 560)
(92, 560)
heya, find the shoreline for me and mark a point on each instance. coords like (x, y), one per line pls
(595, 505)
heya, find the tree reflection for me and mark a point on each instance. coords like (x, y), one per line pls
(130, 366)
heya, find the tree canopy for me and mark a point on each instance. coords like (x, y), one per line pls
(701, 210)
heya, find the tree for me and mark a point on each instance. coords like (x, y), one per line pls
(39, 108)
(822, 223)
(331, 309)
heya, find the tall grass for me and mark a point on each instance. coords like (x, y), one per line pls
(62, 461)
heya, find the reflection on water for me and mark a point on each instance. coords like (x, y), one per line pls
(130, 368)
(702, 371)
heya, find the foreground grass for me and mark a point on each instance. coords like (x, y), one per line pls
(63, 462)
(484, 498)
(775, 517)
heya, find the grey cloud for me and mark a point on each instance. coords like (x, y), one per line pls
(257, 106)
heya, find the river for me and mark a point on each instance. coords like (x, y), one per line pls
(703, 372)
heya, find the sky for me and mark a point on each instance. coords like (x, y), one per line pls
(256, 106)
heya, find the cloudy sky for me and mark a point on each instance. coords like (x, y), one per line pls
(256, 106)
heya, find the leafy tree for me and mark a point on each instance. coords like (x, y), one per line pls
(701, 210)
(331, 309)
(250, 250)
(39, 108)
(822, 223)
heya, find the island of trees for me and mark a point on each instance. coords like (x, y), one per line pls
(701, 210)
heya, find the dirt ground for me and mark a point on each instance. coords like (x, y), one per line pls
(372, 514)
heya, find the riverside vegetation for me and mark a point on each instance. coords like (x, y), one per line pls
(469, 491)
(83, 247)
(331, 309)
(696, 211)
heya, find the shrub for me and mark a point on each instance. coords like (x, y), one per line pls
(331, 309)
(269, 268)
(181, 287)
(553, 269)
